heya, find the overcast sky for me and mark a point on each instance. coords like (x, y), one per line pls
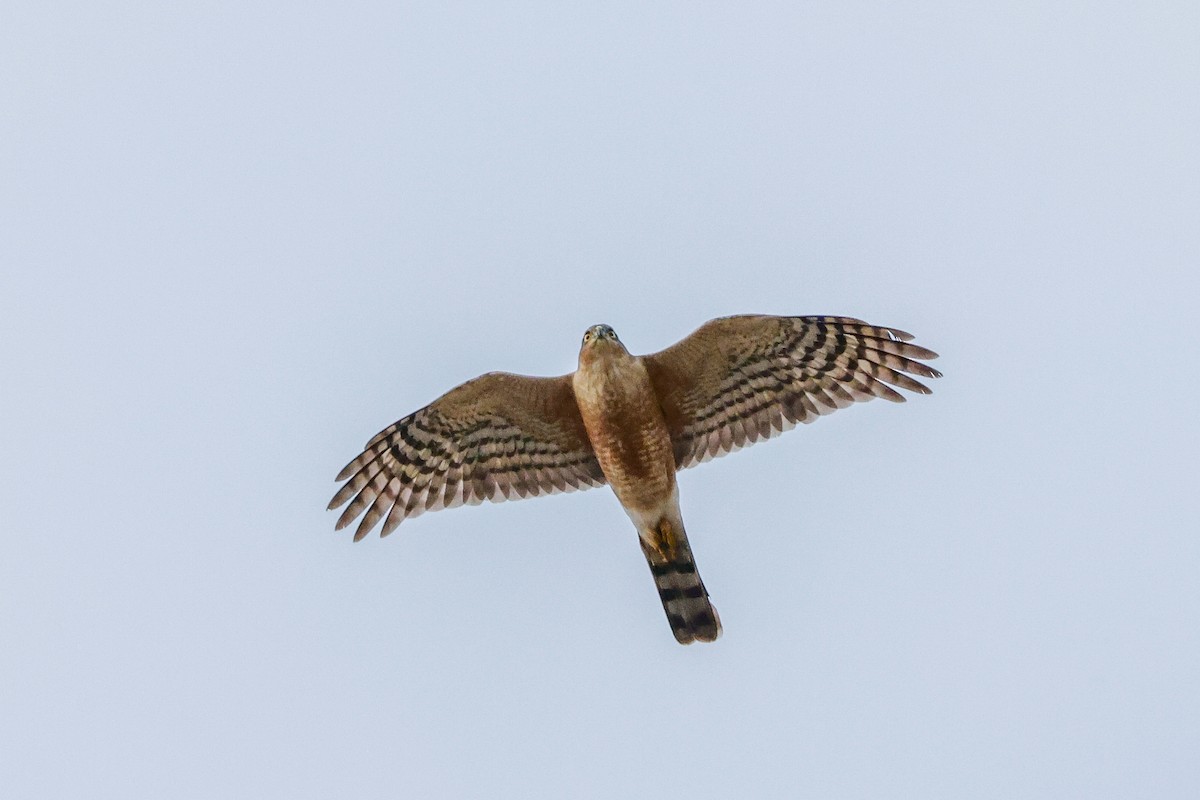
(239, 238)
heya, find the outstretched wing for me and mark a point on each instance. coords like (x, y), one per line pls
(738, 380)
(497, 437)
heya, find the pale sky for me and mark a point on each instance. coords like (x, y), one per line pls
(237, 239)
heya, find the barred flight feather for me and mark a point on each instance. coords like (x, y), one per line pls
(498, 437)
(739, 380)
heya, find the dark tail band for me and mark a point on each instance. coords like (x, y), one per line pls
(684, 598)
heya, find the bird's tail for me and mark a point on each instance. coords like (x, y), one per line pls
(684, 598)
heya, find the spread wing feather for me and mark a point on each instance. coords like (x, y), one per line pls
(497, 437)
(739, 380)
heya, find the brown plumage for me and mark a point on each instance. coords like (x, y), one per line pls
(631, 422)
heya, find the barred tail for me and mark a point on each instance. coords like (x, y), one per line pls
(684, 598)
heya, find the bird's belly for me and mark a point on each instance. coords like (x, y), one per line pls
(637, 460)
(631, 443)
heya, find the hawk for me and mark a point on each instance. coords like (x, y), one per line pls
(631, 422)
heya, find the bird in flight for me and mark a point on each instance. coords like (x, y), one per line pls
(631, 422)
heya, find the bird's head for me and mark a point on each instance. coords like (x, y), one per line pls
(600, 339)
